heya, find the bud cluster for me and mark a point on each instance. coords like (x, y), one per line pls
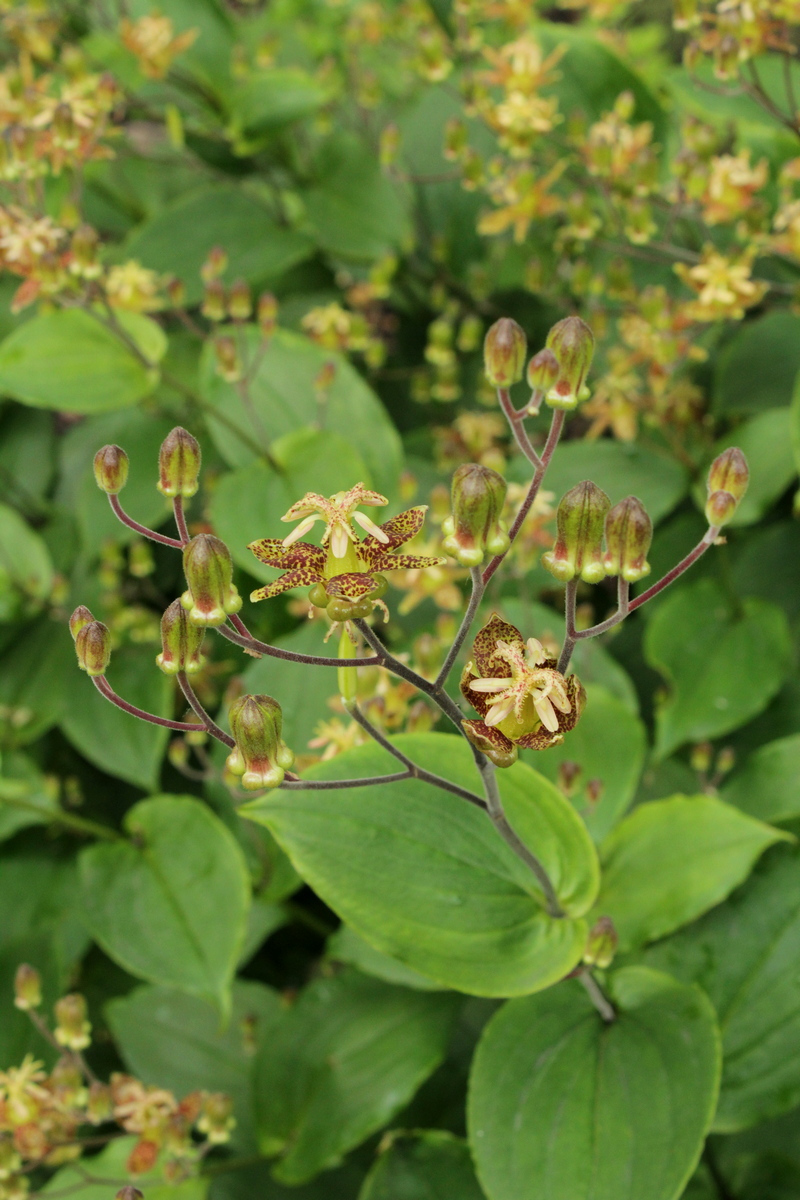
(92, 642)
(558, 371)
(585, 516)
(728, 478)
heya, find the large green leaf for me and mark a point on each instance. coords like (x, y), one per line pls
(36, 679)
(256, 1181)
(757, 368)
(723, 668)
(27, 797)
(768, 785)
(76, 1181)
(427, 1165)
(178, 239)
(283, 400)
(356, 211)
(175, 1041)
(341, 1063)
(269, 99)
(24, 558)
(27, 455)
(424, 877)
(347, 947)
(170, 905)
(745, 955)
(110, 738)
(564, 1106)
(671, 860)
(69, 361)
(766, 440)
(608, 745)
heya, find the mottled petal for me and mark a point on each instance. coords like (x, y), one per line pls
(487, 660)
(494, 744)
(403, 527)
(540, 739)
(273, 553)
(353, 585)
(311, 502)
(381, 561)
(299, 577)
(475, 699)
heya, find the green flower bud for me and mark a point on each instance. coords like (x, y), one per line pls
(228, 363)
(215, 264)
(730, 473)
(179, 464)
(602, 944)
(267, 314)
(504, 353)
(478, 494)
(211, 595)
(543, 371)
(129, 1192)
(572, 342)
(720, 508)
(79, 618)
(629, 534)
(579, 521)
(215, 301)
(261, 756)
(181, 640)
(100, 1105)
(93, 647)
(111, 469)
(27, 987)
(72, 1028)
(240, 302)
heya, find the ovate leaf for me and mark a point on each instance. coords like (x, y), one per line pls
(346, 946)
(38, 673)
(424, 877)
(671, 860)
(723, 667)
(430, 1165)
(565, 1106)
(24, 558)
(768, 785)
(171, 904)
(69, 361)
(340, 1064)
(757, 368)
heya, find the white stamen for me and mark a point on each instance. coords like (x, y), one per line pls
(546, 714)
(301, 529)
(536, 652)
(561, 700)
(339, 540)
(490, 685)
(499, 712)
(367, 523)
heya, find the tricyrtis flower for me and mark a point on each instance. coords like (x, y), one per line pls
(521, 697)
(343, 571)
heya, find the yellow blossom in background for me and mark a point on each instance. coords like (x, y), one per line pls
(732, 184)
(522, 198)
(724, 286)
(133, 287)
(154, 42)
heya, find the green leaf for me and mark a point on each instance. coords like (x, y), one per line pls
(120, 744)
(39, 896)
(767, 565)
(175, 1041)
(69, 361)
(723, 669)
(347, 947)
(563, 1105)
(347, 1057)
(177, 240)
(426, 1165)
(283, 400)
(171, 905)
(304, 692)
(671, 860)
(356, 211)
(208, 59)
(256, 1181)
(248, 504)
(424, 877)
(766, 787)
(263, 919)
(27, 797)
(767, 442)
(24, 557)
(110, 1164)
(744, 955)
(27, 455)
(270, 99)
(756, 370)
(608, 745)
(620, 468)
(36, 679)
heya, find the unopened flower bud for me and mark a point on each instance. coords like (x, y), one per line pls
(93, 648)
(27, 987)
(211, 595)
(543, 371)
(217, 1120)
(100, 1105)
(111, 469)
(176, 292)
(572, 342)
(240, 302)
(179, 464)
(214, 265)
(79, 618)
(267, 314)
(579, 521)
(504, 353)
(602, 944)
(720, 508)
(83, 248)
(143, 1157)
(729, 472)
(72, 1028)
(629, 533)
(129, 1192)
(227, 356)
(181, 641)
(478, 494)
(215, 301)
(261, 756)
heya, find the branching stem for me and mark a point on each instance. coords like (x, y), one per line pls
(516, 420)
(597, 996)
(197, 708)
(105, 689)
(248, 642)
(466, 624)
(142, 529)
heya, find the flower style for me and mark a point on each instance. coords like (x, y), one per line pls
(521, 697)
(342, 571)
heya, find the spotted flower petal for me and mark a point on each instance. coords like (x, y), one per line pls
(352, 586)
(405, 562)
(494, 744)
(399, 529)
(299, 577)
(273, 553)
(488, 663)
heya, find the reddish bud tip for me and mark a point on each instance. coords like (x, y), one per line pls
(730, 473)
(211, 596)
(504, 353)
(111, 469)
(475, 526)
(260, 757)
(572, 343)
(543, 371)
(181, 642)
(580, 521)
(93, 648)
(179, 464)
(79, 618)
(720, 508)
(629, 534)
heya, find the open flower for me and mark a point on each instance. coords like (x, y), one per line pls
(521, 697)
(344, 572)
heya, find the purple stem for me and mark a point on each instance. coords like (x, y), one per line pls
(180, 519)
(516, 421)
(105, 689)
(198, 709)
(142, 529)
(245, 639)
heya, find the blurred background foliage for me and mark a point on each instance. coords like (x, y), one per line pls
(287, 226)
